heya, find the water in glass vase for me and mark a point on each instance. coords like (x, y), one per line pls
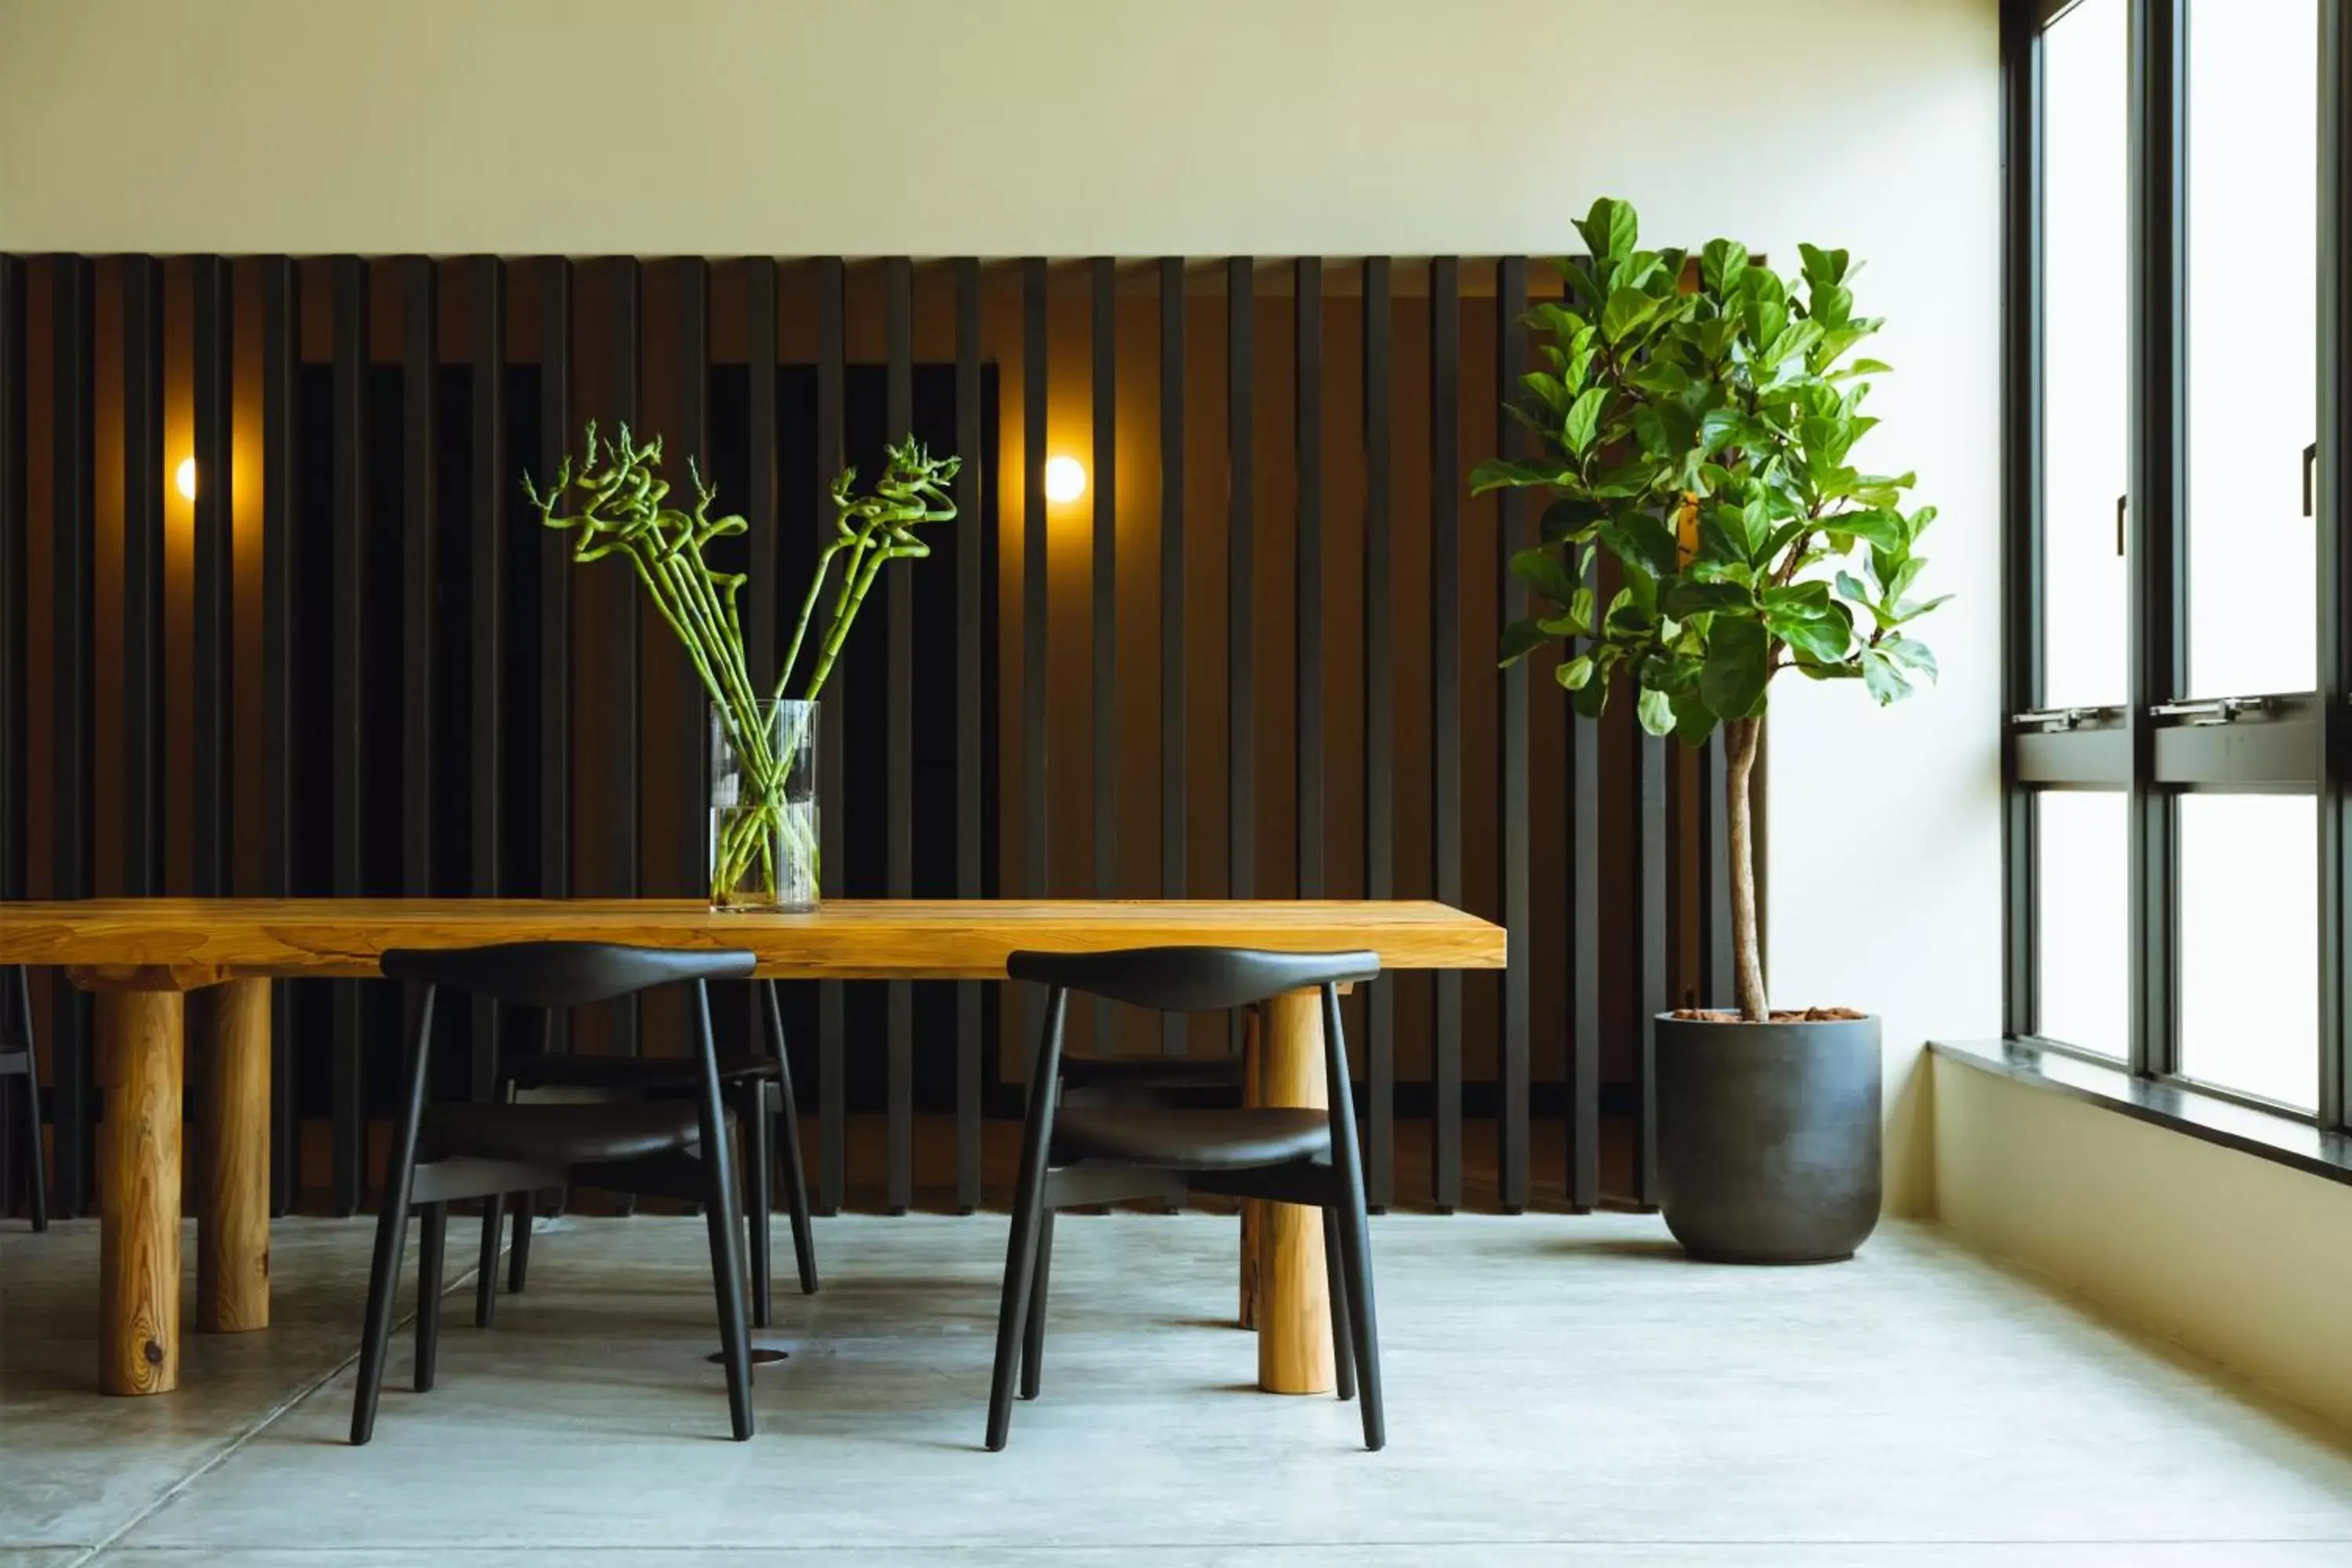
(764, 821)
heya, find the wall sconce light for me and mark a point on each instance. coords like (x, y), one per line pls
(183, 478)
(1065, 480)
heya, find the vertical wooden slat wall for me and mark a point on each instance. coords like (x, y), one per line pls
(1174, 839)
(420, 339)
(1445, 724)
(347, 1134)
(212, 774)
(1672, 801)
(971, 588)
(898, 793)
(832, 285)
(280, 350)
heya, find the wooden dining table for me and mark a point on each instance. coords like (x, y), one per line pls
(182, 978)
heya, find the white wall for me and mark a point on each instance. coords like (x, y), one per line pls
(2238, 1259)
(1073, 127)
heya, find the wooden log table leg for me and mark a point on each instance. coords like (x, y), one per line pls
(1293, 1296)
(139, 1062)
(229, 1036)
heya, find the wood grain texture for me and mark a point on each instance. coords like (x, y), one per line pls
(181, 943)
(1294, 1299)
(228, 1034)
(139, 1191)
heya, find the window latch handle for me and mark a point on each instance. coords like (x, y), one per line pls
(2310, 472)
(2120, 502)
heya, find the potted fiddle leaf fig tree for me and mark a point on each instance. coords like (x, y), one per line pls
(1697, 435)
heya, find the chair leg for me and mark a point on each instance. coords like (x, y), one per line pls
(758, 1177)
(518, 1250)
(724, 1219)
(1355, 1252)
(486, 1273)
(430, 1246)
(1033, 1335)
(383, 1285)
(788, 1150)
(1335, 1268)
(1028, 1210)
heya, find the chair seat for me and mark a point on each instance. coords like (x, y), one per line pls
(560, 1134)
(1190, 1140)
(643, 1074)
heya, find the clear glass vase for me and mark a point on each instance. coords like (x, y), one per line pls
(764, 825)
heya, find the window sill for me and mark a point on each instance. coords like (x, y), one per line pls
(2264, 1134)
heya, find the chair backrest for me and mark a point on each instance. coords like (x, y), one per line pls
(559, 973)
(1191, 979)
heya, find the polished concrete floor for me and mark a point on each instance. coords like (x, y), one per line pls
(1562, 1391)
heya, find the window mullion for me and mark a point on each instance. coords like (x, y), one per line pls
(2022, 571)
(2157, 604)
(2333, 498)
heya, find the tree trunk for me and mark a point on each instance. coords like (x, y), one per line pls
(1740, 738)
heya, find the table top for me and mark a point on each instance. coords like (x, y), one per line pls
(177, 944)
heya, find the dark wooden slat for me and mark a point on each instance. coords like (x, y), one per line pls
(898, 285)
(1102, 639)
(1445, 689)
(970, 758)
(419, 353)
(1173, 841)
(486, 593)
(1379, 728)
(1241, 609)
(213, 763)
(72, 736)
(760, 507)
(832, 1089)
(760, 597)
(554, 591)
(622, 767)
(142, 573)
(1650, 829)
(15, 585)
(1513, 536)
(1306, 298)
(347, 530)
(1582, 744)
(1036, 865)
(279, 349)
(692, 735)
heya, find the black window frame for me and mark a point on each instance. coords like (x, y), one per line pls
(2156, 746)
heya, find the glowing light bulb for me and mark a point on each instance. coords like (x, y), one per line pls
(183, 478)
(1066, 478)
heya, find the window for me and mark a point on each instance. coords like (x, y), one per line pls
(2084, 355)
(2166, 757)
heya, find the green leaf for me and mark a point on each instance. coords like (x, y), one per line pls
(1879, 528)
(1720, 263)
(1543, 571)
(1574, 673)
(1626, 310)
(1733, 681)
(1657, 713)
(1914, 654)
(1520, 639)
(1497, 473)
(1609, 229)
(1583, 418)
(1885, 681)
(1689, 597)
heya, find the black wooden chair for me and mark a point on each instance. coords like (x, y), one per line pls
(761, 1089)
(1136, 1143)
(17, 1062)
(674, 1147)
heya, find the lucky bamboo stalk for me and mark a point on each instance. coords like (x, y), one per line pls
(619, 496)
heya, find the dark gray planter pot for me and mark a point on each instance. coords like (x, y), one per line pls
(1768, 1138)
